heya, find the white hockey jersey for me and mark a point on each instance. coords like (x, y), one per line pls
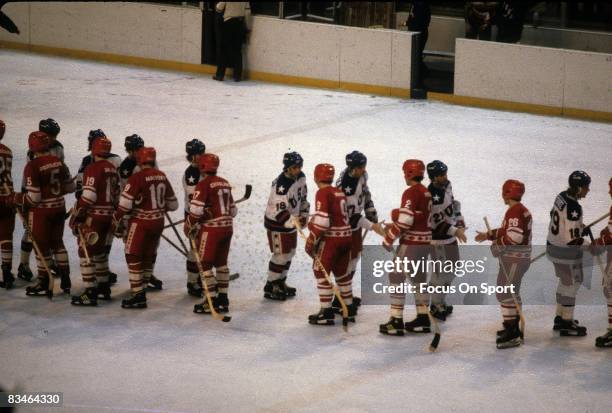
(358, 200)
(565, 221)
(443, 214)
(190, 180)
(288, 198)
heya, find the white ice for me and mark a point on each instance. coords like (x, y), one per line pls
(268, 358)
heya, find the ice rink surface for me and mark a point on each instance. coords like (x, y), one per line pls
(268, 359)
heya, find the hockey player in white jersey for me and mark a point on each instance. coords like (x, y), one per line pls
(129, 166)
(288, 200)
(565, 236)
(353, 181)
(52, 129)
(447, 228)
(191, 177)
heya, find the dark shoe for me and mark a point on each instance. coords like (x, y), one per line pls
(138, 300)
(274, 291)
(204, 308)
(104, 291)
(421, 324)
(289, 291)
(89, 298)
(604, 341)
(219, 79)
(155, 283)
(338, 308)
(41, 288)
(325, 317)
(222, 303)
(8, 279)
(510, 336)
(393, 327)
(24, 273)
(195, 290)
(65, 283)
(558, 322)
(569, 328)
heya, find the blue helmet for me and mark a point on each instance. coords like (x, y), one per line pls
(579, 178)
(133, 142)
(436, 168)
(195, 147)
(292, 159)
(356, 159)
(93, 134)
(49, 126)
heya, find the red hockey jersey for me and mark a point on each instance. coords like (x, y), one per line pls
(331, 217)
(515, 231)
(212, 203)
(147, 195)
(100, 189)
(46, 180)
(412, 221)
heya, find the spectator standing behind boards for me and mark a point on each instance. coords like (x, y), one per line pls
(233, 34)
(419, 18)
(510, 19)
(478, 19)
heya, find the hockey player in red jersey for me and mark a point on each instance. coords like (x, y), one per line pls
(46, 180)
(512, 245)
(411, 223)
(194, 149)
(605, 239)
(7, 214)
(93, 214)
(146, 197)
(330, 241)
(210, 223)
(52, 129)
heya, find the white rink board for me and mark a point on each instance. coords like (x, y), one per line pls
(557, 78)
(588, 81)
(509, 72)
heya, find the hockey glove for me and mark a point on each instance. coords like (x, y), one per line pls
(354, 220)
(303, 220)
(371, 215)
(311, 245)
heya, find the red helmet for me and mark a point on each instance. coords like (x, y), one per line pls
(208, 163)
(324, 172)
(101, 147)
(2, 129)
(38, 141)
(146, 154)
(413, 168)
(513, 189)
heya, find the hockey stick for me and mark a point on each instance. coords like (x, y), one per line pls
(598, 220)
(247, 195)
(509, 280)
(179, 249)
(172, 224)
(345, 313)
(36, 249)
(213, 312)
(83, 245)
